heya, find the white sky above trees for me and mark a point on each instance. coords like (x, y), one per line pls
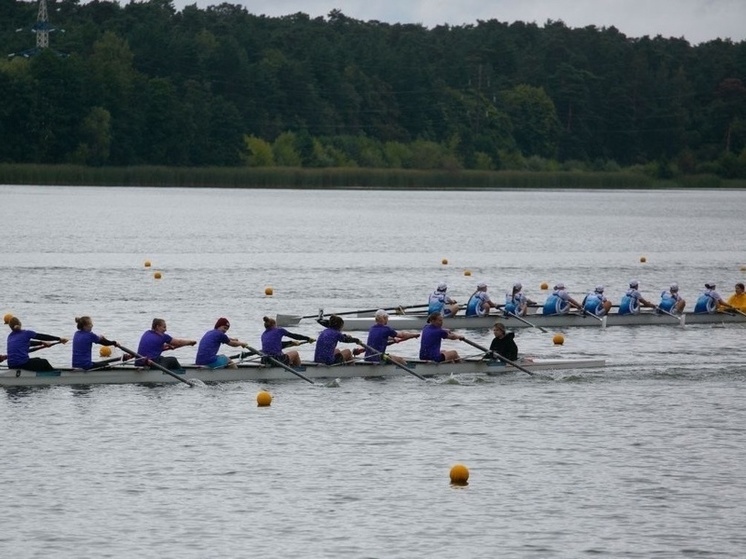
(695, 20)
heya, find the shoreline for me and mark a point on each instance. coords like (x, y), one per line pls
(335, 178)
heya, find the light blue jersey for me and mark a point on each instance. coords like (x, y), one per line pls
(594, 304)
(557, 303)
(630, 303)
(708, 302)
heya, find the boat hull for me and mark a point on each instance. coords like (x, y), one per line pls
(260, 373)
(418, 321)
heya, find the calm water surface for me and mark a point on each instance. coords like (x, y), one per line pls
(645, 458)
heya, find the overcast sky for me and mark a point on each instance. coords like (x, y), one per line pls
(695, 20)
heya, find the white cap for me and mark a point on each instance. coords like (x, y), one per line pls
(380, 313)
(559, 286)
(517, 286)
(674, 287)
(599, 289)
(442, 286)
(634, 283)
(481, 285)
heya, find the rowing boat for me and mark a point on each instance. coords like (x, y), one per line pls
(645, 318)
(253, 371)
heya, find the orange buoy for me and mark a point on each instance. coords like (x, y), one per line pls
(7, 318)
(459, 475)
(544, 285)
(643, 259)
(157, 275)
(268, 291)
(558, 339)
(467, 272)
(105, 351)
(147, 263)
(263, 399)
(444, 261)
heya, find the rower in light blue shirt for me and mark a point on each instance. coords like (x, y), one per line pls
(710, 300)
(671, 301)
(596, 302)
(560, 302)
(633, 300)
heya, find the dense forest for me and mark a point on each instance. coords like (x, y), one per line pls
(145, 84)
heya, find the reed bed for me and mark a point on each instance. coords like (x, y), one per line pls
(330, 178)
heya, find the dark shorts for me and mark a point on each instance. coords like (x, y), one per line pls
(268, 359)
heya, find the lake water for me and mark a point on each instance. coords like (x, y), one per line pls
(645, 458)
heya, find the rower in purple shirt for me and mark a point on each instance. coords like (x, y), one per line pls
(432, 335)
(21, 342)
(326, 344)
(209, 345)
(154, 341)
(380, 334)
(272, 344)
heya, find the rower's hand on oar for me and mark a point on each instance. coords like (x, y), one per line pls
(358, 351)
(3, 358)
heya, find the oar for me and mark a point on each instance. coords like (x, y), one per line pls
(280, 364)
(42, 346)
(500, 357)
(527, 322)
(681, 318)
(245, 354)
(735, 310)
(321, 312)
(157, 366)
(601, 319)
(393, 362)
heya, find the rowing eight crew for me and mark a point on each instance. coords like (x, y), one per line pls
(594, 302)
(155, 341)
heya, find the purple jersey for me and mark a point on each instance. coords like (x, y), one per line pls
(209, 346)
(430, 342)
(378, 339)
(272, 341)
(82, 343)
(326, 343)
(18, 346)
(151, 345)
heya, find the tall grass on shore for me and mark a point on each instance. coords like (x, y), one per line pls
(330, 178)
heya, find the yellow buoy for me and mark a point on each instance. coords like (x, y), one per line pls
(460, 475)
(643, 259)
(467, 272)
(147, 263)
(558, 339)
(105, 351)
(7, 318)
(157, 275)
(263, 399)
(444, 261)
(544, 285)
(268, 291)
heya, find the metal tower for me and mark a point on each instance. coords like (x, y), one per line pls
(42, 28)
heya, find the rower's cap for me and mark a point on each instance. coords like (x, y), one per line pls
(222, 322)
(674, 287)
(634, 283)
(559, 286)
(380, 313)
(481, 285)
(517, 286)
(442, 286)
(710, 285)
(599, 289)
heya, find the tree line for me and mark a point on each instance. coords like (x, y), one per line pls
(145, 84)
